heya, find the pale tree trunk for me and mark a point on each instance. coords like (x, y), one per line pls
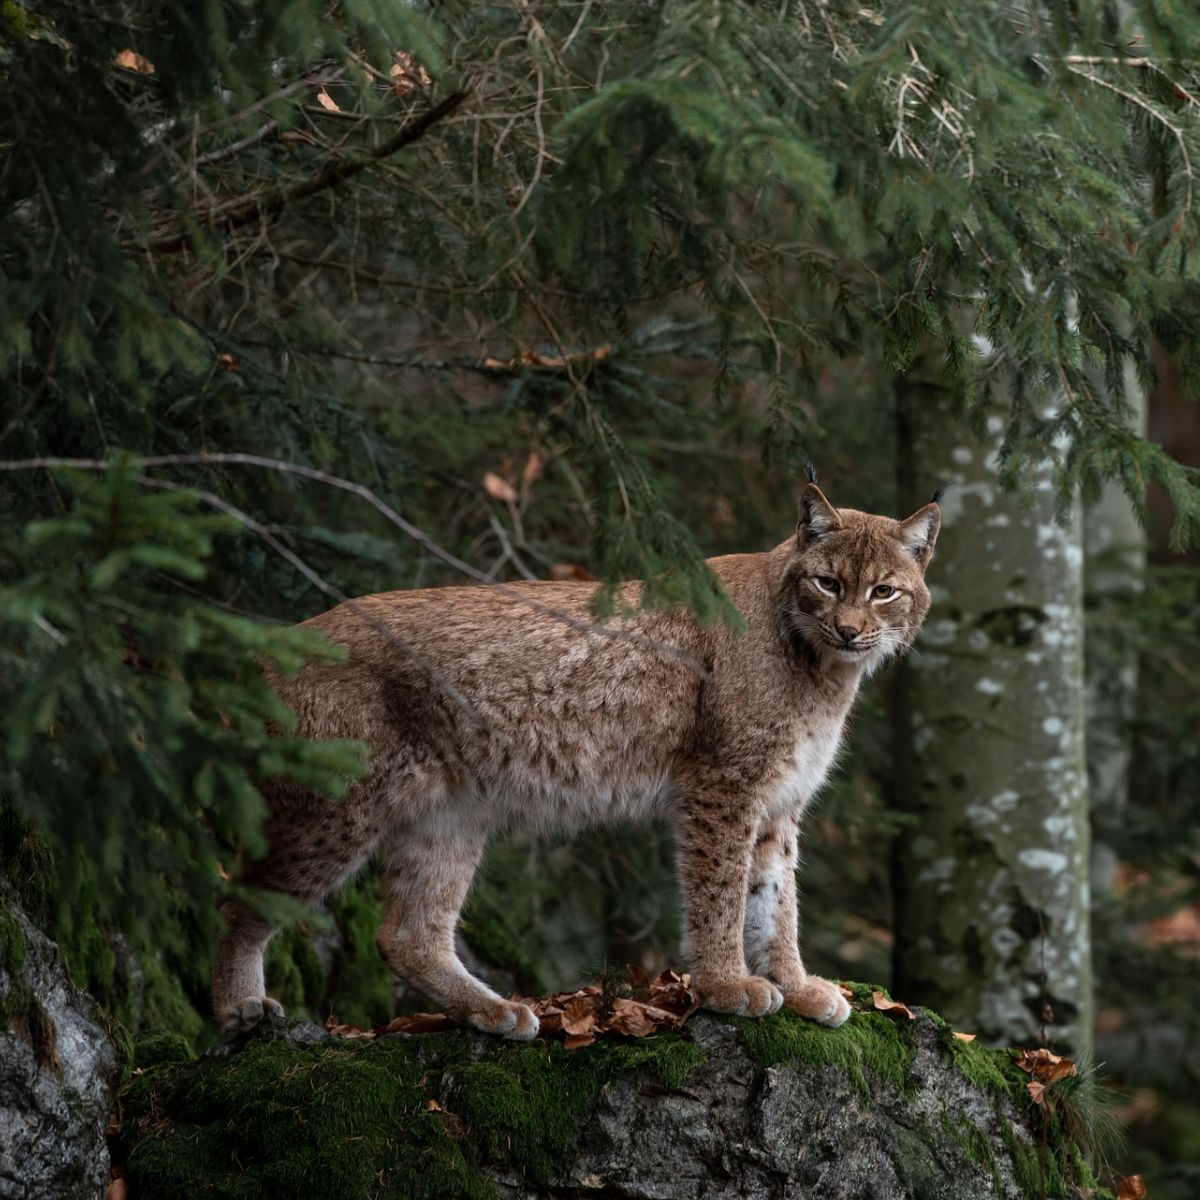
(991, 877)
(1114, 566)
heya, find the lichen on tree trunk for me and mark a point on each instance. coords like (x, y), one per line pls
(991, 876)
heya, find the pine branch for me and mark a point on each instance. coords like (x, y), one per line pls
(257, 208)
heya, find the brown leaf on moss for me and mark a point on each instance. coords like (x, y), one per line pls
(1045, 1065)
(892, 1008)
(579, 1016)
(418, 1023)
(327, 102)
(452, 1123)
(1130, 1187)
(848, 993)
(632, 1018)
(965, 1037)
(636, 979)
(350, 1032)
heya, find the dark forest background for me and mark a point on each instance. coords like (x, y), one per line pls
(326, 299)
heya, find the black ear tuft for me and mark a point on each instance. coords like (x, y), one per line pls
(810, 472)
(939, 492)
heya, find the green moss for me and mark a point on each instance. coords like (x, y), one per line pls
(867, 1042)
(362, 991)
(989, 1070)
(160, 1046)
(17, 1001)
(165, 1004)
(526, 1102)
(1036, 1169)
(13, 946)
(349, 1120)
(275, 1122)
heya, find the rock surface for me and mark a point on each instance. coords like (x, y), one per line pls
(754, 1110)
(58, 1072)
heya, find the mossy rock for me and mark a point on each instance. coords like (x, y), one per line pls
(879, 1108)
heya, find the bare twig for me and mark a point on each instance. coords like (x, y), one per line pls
(251, 139)
(257, 208)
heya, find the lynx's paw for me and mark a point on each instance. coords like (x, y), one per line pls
(247, 1013)
(506, 1019)
(820, 1001)
(752, 996)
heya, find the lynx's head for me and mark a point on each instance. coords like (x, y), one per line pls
(854, 589)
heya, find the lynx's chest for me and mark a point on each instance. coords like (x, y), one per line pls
(813, 755)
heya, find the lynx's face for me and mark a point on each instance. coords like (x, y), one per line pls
(855, 590)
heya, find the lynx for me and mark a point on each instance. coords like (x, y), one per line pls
(486, 710)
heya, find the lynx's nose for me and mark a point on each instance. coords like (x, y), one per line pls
(848, 632)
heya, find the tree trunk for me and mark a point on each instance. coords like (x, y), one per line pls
(991, 878)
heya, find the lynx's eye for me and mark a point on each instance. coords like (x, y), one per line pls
(828, 584)
(883, 591)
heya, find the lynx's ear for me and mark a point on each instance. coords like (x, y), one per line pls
(818, 517)
(918, 534)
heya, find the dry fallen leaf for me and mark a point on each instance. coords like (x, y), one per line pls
(1130, 1187)
(1037, 1091)
(327, 102)
(579, 1016)
(965, 1037)
(892, 1008)
(499, 489)
(230, 361)
(848, 993)
(418, 1023)
(132, 61)
(631, 1018)
(1045, 1065)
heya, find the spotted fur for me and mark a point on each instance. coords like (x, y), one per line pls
(486, 711)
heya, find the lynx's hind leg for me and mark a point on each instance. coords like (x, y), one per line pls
(313, 847)
(429, 872)
(240, 997)
(771, 933)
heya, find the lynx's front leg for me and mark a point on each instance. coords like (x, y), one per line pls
(771, 927)
(715, 834)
